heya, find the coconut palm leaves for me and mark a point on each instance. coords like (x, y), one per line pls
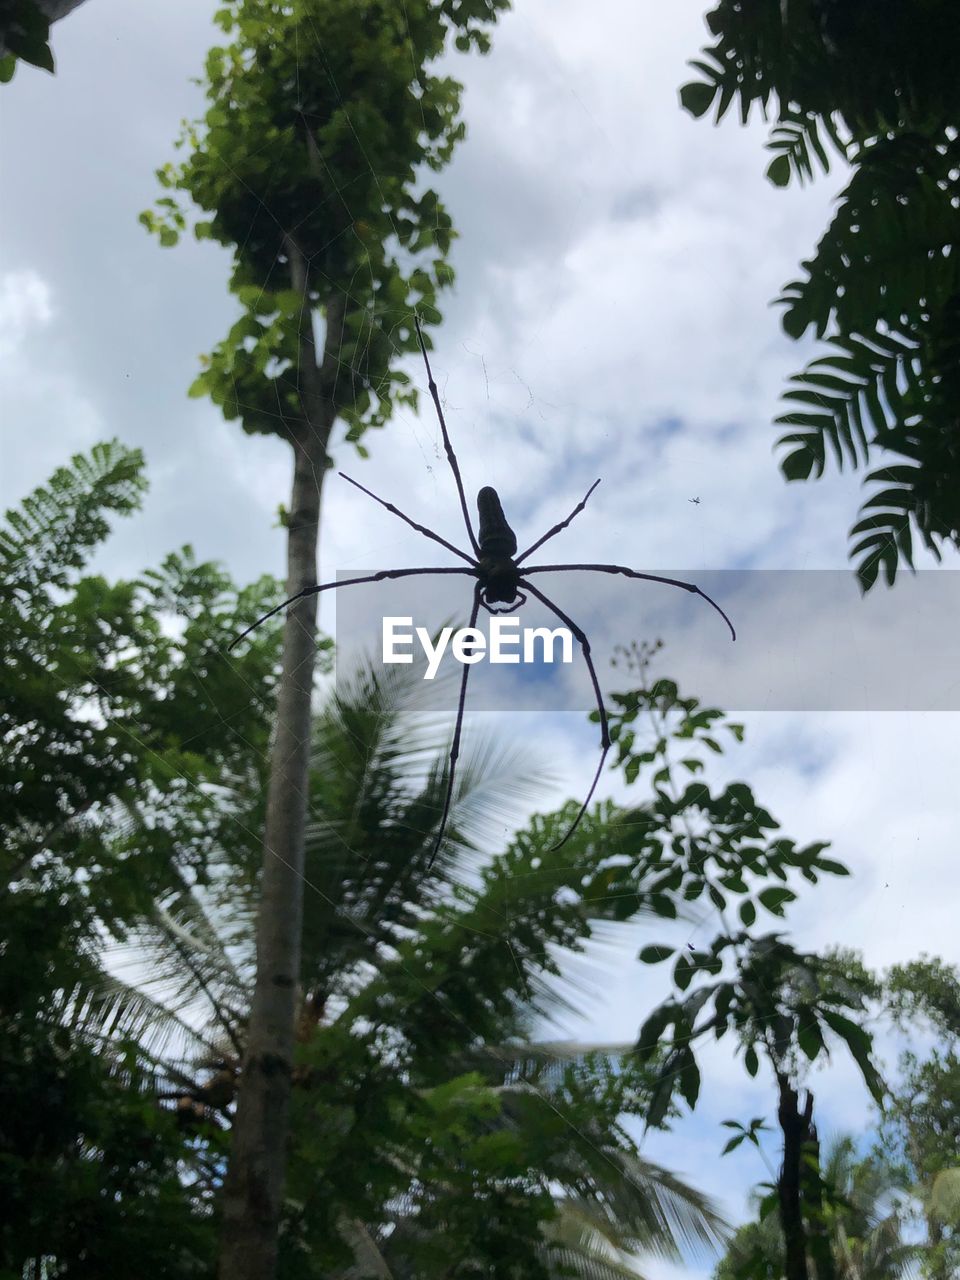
(427, 1126)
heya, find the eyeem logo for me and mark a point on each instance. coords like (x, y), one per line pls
(469, 645)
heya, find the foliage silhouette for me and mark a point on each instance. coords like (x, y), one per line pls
(876, 84)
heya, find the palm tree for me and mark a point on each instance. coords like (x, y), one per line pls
(427, 1125)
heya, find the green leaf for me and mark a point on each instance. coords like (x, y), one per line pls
(41, 56)
(751, 1061)
(799, 464)
(696, 97)
(655, 953)
(660, 1101)
(778, 170)
(289, 302)
(748, 913)
(860, 1044)
(653, 1028)
(683, 972)
(834, 868)
(663, 906)
(809, 1036)
(690, 1080)
(774, 899)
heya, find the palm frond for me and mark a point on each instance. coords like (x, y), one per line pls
(576, 1248)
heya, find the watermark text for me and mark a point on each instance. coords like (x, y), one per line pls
(508, 643)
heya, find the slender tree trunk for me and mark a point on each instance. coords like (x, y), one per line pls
(253, 1194)
(794, 1126)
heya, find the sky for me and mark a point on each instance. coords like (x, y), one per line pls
(616, 263)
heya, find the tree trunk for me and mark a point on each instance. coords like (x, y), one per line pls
(253, 1193)
(794, 1126)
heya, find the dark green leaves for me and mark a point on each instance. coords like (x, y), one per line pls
(860, 1045)
(775, 899)
(776, 1002)
(696, 97)
(884, 280)
(778, 172)
(25, 29)
(745, 1133)
(97, 694)
(269, 164)
(809, 1036)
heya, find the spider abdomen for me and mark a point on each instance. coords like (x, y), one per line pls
(497, 571)
(497, 540)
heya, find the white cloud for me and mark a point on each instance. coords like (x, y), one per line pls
(47, 413)
(25, 304)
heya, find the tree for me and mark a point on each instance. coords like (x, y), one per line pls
(921, 1124)
(869, 1205)
(877, 84)
(780, 1002)
(429, 1136)
(322, 113)
(96, 766)
(123, 746)
(777, 1001)
(864, 1224)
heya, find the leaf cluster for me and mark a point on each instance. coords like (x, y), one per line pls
(24, 35)
(699, 842)
(90, 1172)
(115, 762)
(126, 738)
(427, 1127)
(778, 1001)
(877, 85)
(322, 115)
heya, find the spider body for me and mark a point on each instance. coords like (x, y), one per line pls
(498, 574)
(497, 571)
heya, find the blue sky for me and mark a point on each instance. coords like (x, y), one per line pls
(615, 267)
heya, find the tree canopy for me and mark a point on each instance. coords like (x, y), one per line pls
(323, 114)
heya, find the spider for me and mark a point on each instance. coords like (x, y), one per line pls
(498, 577)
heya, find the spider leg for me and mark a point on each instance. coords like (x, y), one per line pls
(451, 456)
(632, 573)
(558, 527)
(457, 729)
(428, 533)
(347, 582)
(604, 727)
